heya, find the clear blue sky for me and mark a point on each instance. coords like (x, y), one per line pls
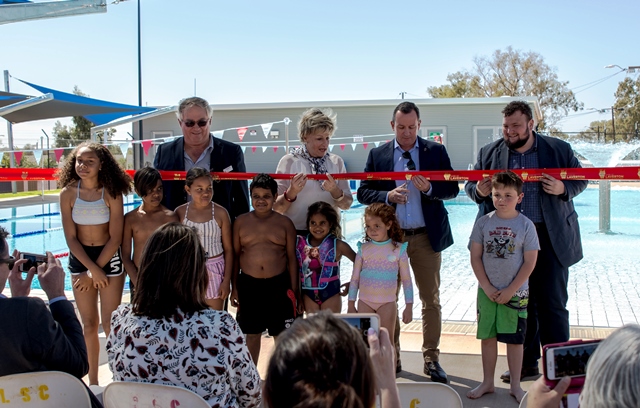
(297, 50)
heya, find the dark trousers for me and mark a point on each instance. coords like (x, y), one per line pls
(548, 319)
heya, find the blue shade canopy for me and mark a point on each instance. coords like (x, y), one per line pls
(66, 104)
(14, 1)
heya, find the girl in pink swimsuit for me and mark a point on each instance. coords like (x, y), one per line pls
(214, 229)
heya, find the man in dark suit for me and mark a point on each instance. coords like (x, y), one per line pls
(549, 204)
(422, 216)
(198, 148)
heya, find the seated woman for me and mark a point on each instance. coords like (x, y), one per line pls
(321, 361)
(168, 335)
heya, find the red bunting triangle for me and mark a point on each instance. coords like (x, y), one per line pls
(253, 149)
(342, 147)
(146, 145)
(58, 153)
(241, 132)
(365, 145)
(275, 149)
(18, 156)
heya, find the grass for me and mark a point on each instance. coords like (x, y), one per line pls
(27, 193)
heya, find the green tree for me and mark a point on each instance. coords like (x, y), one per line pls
(513, 73)
(80, 131)
(627, 108)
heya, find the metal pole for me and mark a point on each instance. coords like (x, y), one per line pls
(286, 135)
(613, 124)
(12, 162)
(140, 134)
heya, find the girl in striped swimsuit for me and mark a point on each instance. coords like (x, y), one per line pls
(213, 225)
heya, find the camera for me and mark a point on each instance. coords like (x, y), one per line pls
(33, 260)
(362, 322)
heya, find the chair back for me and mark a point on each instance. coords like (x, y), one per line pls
(43, 389)
(523, 403)
(425, 395)
(125, 394)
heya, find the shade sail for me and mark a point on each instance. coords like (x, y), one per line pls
(66, 104)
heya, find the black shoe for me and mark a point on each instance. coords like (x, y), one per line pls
(435, 371)
(525, 372)
(398, 367)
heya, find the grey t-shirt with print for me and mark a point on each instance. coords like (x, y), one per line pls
(504, 242)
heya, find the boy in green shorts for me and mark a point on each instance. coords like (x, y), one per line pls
(504, 248)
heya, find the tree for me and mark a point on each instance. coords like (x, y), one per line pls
(627, 108)
(80, 131)
(513, 73)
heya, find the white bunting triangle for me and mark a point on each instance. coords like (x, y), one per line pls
(353, 146)
(331, 148)
(124, 147)
(264, 149)
(243, 148)
(38, 155)
(376, 144)
(218, 133)
(266, 129)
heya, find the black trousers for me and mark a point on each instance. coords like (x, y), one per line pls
(548, 317)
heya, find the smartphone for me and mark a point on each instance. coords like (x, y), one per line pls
(568, 359)
(362, 322)
(32, 260)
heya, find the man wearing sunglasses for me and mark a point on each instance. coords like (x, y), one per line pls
(422, 216)
(198, 148)
(35, 338)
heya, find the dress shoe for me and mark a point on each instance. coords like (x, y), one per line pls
(435, 371)
(525, 372)
(398, 367)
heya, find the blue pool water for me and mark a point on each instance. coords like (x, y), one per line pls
(603, 252)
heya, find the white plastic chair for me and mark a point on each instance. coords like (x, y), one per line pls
(43, 389)
(523, 403)
(125, 394)
(428, 395)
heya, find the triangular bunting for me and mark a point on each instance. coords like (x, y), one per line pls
(275, 149)
(218, 134)
(253, 149)
(266, 129)
(38, 155)
(124, 147)
(353, 146)
(365, 145)
(243, 148)
(18, 156)
(146, 145)
(376, 144)
(241, 132)
(331, 148)
(264, 149)
(58, 153)
(342, 146)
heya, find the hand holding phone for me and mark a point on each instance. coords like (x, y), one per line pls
(568, 359)
(363, 322)
(33, 260)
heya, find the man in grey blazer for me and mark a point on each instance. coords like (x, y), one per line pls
(549, 204)
(422, 216)
(198, 148)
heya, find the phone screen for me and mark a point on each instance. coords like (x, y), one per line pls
(362, 323)
(569, 360)
(33, 260)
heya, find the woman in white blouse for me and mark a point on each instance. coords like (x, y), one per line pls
(168, 335)
(315, 128)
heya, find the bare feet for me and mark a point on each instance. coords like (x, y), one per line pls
(480, 390)
(517, 393)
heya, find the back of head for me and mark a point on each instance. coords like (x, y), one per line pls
(613, 371)
(172, 273)
(320, 361)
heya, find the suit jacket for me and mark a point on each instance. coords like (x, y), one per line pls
(34, 339)
(433, 156)
(232, 195)
(558, 212)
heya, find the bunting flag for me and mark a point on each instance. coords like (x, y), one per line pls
(376, 144)
(243, 148)
(331, 148)
(365, 145)
(266, 129)
(275, 149)
(146, 145)
(353, 146)
(342, 147)
(264, 149)
(253, 149)
(58, 153)
(38, 155)
(218, 134)
(241, 132)
(18, 156)
(124, 147)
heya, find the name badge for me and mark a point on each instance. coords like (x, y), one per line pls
(228, 169)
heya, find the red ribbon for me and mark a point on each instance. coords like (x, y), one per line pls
(592, 173)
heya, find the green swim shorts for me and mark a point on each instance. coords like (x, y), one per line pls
(507, 323)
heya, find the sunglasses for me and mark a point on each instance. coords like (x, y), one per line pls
(201, 123)
(411, 165)
(10, 261)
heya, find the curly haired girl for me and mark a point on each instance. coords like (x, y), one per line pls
(92, 223)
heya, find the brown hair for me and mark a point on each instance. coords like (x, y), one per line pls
(507, 179)
(314, 120)
(388, 215)
(320, 361)
(111, 176)
(518, 106)
(172, 273)
(329, 213)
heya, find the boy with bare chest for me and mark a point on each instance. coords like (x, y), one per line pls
(265, 278)
(142, 221)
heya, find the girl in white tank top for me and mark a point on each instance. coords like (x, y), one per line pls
(214, 229)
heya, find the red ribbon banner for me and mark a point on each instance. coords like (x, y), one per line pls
(591, 173)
